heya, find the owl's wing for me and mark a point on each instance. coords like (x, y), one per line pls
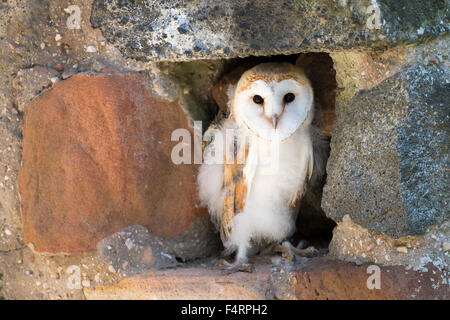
(235, 195)
(237, 177)
(210, 175)
(223, 186)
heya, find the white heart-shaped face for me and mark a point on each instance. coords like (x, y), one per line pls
(274, 110)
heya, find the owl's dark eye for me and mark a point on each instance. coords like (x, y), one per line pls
(289, 97)
(258, 99)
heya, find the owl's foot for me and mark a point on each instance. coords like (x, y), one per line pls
(237, 266)
(288, 251)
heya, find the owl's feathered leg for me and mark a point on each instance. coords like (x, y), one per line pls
(240, 264)
(237, 266)
(289, 251)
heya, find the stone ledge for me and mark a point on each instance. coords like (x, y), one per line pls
(186, 283)
(327, 279)
(309, 279)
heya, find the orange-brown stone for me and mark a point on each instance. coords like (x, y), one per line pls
(318, 278)
(328, 279)
(186, 284)
(96, 158)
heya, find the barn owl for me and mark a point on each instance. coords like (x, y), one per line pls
(253, 201)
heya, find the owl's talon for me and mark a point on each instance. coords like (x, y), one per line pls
(288, 251)
(224, 263)
(302, 244)
(238, 266)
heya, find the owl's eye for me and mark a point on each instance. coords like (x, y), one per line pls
(289, 97)
(258, 99)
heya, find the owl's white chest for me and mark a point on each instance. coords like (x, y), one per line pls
(279, 173)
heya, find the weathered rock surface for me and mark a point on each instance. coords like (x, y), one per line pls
(30, 56)
(90, 163)
(11, 236)
(312, 279)
(30, 82)
(37, 33)
(186, 283)
(134, 249)
(389, 153)
(352, 242)
(327, 279)
(96, 158)
(178, 30)
(31, 276)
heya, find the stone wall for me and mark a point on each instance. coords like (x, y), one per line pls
(91, 90)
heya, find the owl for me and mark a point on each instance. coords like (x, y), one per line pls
(259, 160)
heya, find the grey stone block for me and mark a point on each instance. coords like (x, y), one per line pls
(209, 29)
(389, 154)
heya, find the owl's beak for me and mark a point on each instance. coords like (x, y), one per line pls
(275, 121)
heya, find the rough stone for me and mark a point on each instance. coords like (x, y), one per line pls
(308, 279)
(178, 30)
(327, 279)
(192, 81)
(29, 56)
(96, 158)
(197, 241)
(30, 276)
(34, 36)
(446, 246)
(186, 284)
(29, 29)
(352, 242)
(389, 151)
(29, 83)
(11, 237)
(133, 250)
